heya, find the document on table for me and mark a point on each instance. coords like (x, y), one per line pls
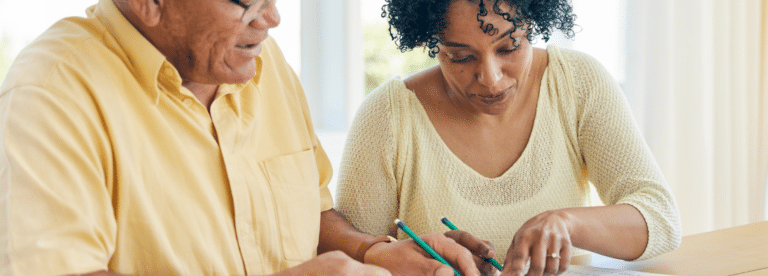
(583, 270)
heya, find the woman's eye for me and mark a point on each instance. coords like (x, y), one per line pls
(507, 50)
(511, 47)
(460, 59)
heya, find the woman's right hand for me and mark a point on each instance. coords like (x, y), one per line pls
(405, 257)
(481, 250)
(459, 248)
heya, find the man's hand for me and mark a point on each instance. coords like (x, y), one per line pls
(405, 257)
(334, 263)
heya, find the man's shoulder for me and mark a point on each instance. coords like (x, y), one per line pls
(72, 48)
(272, 55)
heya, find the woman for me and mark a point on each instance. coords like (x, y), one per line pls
(503, 139)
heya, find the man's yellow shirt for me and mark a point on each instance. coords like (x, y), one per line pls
(108, 163)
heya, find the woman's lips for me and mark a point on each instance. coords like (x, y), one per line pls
(500, 97)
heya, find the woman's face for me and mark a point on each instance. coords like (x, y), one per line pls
(483, 71)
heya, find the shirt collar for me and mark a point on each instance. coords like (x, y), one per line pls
(147, 63)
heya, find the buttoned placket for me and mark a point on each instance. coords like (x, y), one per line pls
(225, 125)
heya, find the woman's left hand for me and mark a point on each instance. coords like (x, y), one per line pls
(545, 240)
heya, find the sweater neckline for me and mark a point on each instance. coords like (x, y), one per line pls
(422, 113)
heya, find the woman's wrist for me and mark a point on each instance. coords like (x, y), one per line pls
(572, 222)
(365, 246)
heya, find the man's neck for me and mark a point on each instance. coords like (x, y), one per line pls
(205, 93)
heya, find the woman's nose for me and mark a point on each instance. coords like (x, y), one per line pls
(489, 73)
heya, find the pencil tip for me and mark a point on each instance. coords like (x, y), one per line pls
(397, 221)
(443, 219)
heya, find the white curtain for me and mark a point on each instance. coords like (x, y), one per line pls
(697, 78)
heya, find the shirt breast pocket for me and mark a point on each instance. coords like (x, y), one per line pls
(294, 181)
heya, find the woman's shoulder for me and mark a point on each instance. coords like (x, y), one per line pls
(574, 62)
(391, 92)
(577, 71)
(388, 99)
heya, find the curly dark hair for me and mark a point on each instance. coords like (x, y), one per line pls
(420, 22)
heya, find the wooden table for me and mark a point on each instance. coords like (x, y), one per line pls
(741, 250)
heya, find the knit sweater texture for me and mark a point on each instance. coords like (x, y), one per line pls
(395, 165)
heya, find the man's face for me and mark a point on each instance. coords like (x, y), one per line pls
(209, 41)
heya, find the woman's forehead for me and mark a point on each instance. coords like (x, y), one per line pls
(467, 17)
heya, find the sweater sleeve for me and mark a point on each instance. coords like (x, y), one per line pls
(618, 162)
(367, 191)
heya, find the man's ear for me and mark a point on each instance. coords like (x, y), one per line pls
(148, 11)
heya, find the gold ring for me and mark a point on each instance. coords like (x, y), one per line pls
(554, 256)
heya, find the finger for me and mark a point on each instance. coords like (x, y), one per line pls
(426, 264)
(457, 255)
(565, 255)
(553, 257)
(484, 267)
(481, 249)
(373, 271)
(444, 270)
(538, 258)
(517, 257)
(490, 245)
(475, 245)
(436, 268)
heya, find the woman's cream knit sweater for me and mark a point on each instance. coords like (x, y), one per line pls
(395, 164)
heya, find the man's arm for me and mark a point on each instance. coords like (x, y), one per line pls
(331, 263)
(55, 161)
(100, 273)
(405, 257)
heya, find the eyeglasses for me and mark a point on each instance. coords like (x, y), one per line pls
(252, 9)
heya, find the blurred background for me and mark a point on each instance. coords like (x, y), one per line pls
(695, 73)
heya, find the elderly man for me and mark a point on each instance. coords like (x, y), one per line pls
(171, 137)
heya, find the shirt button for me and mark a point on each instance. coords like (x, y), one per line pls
(187, 102)
(246, 228)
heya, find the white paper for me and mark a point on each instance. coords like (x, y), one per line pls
(583, 270)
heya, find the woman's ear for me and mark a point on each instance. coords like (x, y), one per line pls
(148, 11)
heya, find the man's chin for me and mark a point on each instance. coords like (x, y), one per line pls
(240, 74)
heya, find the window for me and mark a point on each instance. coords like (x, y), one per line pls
(602, 24)
(340, 49)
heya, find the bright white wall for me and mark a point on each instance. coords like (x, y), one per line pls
(322, 41)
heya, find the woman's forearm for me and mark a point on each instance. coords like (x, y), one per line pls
(617, 231)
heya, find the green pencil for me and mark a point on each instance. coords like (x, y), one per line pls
(420, 242)
(450, 225)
